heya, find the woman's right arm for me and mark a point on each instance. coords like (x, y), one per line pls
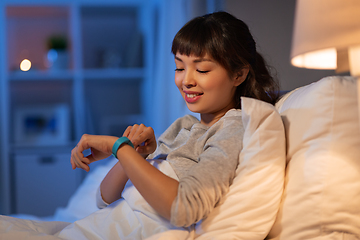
(114, 182)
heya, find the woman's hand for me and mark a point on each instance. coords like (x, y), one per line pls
(100, 147)
(143, 139)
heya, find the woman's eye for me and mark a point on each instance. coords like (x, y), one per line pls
(179, 69)
(200, 71)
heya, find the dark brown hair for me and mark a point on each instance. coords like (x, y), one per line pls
(229, 42)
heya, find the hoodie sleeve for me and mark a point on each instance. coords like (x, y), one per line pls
(209, 180)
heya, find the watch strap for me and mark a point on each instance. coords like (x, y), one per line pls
(118, 144)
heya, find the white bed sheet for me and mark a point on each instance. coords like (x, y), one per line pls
(128, 218)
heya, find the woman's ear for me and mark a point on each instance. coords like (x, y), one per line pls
(241, 75)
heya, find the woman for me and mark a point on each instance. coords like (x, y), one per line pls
(216, 63)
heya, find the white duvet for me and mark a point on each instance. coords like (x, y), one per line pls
(128, 218)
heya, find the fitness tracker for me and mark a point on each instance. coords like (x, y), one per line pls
(118, 143)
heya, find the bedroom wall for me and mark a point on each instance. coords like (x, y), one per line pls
(271, 23)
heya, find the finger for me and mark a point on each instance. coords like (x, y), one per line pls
(141, 149)
(83, 159)
(145, 136)
(73, 166)
(138, 137)
(86, 168)
(83, 144)
(141, 135)
(127, 131)
(72, 158)
(76, 163)
(144, 148)
(82, 162)
(78, 154)
(90, 158)
(133, 131)
(78, 160)
(82, 165)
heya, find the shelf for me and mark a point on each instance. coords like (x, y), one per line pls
(35, 149)
(26, 40)
(121, 73)
(34, 75)
(102, 84)
(104, 47)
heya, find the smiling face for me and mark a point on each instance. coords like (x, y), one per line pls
(206, 86)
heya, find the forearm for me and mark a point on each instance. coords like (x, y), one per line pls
(113, 184)
(157, 189)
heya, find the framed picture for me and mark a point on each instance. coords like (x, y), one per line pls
(42, 125)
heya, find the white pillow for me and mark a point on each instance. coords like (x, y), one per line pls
(249, 208)
(322, 184)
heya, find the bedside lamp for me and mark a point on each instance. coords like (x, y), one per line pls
(327, 36)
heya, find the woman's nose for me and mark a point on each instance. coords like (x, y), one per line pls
(189, 80)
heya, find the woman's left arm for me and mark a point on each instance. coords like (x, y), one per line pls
(158, 189)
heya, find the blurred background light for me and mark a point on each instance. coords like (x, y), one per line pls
(25, 65)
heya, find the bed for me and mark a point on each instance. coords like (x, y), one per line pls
(298, 178)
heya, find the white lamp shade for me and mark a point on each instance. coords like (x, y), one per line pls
(354, 60)
(322, 28)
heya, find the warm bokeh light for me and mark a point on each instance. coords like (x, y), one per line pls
(322, 59)
(25, 65)
(354, 57)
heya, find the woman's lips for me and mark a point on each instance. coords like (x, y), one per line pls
(192, 97)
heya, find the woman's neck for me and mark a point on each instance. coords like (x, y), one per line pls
(209, 119)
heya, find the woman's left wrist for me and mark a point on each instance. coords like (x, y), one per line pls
(119, 143)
